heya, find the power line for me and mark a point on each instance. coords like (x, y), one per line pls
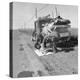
(37, 12)
(43, 7)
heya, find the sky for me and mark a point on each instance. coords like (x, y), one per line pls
(24, 13)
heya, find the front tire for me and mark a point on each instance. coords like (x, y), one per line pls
(37, 46)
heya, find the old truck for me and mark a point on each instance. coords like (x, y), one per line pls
(50, 31)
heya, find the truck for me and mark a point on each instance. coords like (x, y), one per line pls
(50, 31)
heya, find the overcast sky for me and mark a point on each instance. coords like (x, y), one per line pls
(24, 13)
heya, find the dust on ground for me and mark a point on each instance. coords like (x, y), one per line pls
(26, 60)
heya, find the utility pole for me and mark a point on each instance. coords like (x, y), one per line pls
(57, 12)
(52, 14)
(36, 13)
(35, 25)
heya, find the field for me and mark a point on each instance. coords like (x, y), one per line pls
(27, 63)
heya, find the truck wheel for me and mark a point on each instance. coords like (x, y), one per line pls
(37, 46)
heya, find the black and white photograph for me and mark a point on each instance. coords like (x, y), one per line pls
(43, 39)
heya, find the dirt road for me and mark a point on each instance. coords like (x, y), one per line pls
(25, 59)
